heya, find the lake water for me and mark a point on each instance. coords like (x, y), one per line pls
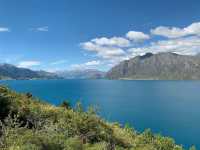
(171, 108)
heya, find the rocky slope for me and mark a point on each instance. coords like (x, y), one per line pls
(162, 66)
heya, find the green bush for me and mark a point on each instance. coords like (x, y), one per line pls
(65, 104)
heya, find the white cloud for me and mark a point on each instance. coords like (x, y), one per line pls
(137, 36)
(92, 63)
(28, 64)
(59, 62)
(175, 32)
(183, 46)
(43, 29)
(193, 28)
(108, 54)
(109, 49)
(105, 52)
(114, 41)
(184, 41)
(112, 50)
(40, 29)
(88, 65)
(4, 29)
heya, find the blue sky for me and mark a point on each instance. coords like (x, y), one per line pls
(76, 34)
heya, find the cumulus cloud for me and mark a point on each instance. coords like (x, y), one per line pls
(4, 29)
(28, 64)
(88, 65)
(182, 46)
(114, 41)
(172, 32)
(114, 49)
(111, 51)
(175, 32)
(105, 52)
(137, 36)
(108, 55)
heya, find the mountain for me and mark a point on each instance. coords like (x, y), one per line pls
(8, 71)
(82, 74)
(161, 66)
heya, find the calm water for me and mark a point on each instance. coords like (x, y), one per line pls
(171, 108)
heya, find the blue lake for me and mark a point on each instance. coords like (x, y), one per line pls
(171, 108)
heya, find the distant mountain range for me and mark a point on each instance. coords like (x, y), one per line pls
(8, 71)
(82, 74)
(162, 66)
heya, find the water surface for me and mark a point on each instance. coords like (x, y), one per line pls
(171, 108)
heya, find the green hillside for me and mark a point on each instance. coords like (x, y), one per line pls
(29, 124)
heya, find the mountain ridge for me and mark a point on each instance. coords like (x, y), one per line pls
(161, 66)
(8, 71)
(82, 74)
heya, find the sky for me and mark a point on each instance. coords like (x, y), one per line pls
(57, 35)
